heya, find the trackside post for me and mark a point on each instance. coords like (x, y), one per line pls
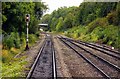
(27, 19)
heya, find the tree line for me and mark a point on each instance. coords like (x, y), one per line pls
(13, 21)
(91, 21)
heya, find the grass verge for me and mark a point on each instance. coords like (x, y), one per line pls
(12, 66)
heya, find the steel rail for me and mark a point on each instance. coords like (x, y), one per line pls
(102, 59)
(99, 46)
(107, 49)
(90, 62)
(54, 62)
(102, 47)
(54, 71)
(36, 60)
(96, 49)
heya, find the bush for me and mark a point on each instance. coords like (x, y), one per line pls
(17, 40)
(6, 56)
(98, 22)
(32, 38)
(113, 18)
(37, 34)
(76, 35)
(23, 41)
(12, 40)
(106, 34)
(8, 42)
(98, 31)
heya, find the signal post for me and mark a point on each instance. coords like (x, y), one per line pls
(27, 19)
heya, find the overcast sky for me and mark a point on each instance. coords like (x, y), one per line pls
(55, 4)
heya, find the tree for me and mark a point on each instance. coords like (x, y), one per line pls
(53, 23)
(14, 15)
(68, 21)
(13, 20)
(59, 26)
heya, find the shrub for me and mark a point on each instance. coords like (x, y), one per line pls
(76, 35)
(113, 18)
(98, 31)
(37, 34)
(12, 40)
(59, 25)
(17, 40)
(8, 42)
(6, 56)
(23, 41)
(98, 22)
(14, 51)
(32, 38)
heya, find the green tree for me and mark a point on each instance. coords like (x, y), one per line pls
(68, 21)
(60, 24)
(13, 20)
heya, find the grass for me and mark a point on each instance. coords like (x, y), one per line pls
(14, 67)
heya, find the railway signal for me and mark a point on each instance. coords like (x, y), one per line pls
(27, 19)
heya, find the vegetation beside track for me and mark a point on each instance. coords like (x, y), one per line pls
(91, 22)
(103, 35)
(14, 34)
(12, 64)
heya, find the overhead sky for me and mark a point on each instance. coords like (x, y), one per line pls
(55, 4)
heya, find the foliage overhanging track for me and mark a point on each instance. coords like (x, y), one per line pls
(86, 59)
(45, 63)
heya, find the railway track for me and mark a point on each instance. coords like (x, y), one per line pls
(45, 63)
(103, 47)
(110, 52)
(96, 61)
(109, 55)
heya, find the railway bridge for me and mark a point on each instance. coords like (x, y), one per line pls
(43, 27)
